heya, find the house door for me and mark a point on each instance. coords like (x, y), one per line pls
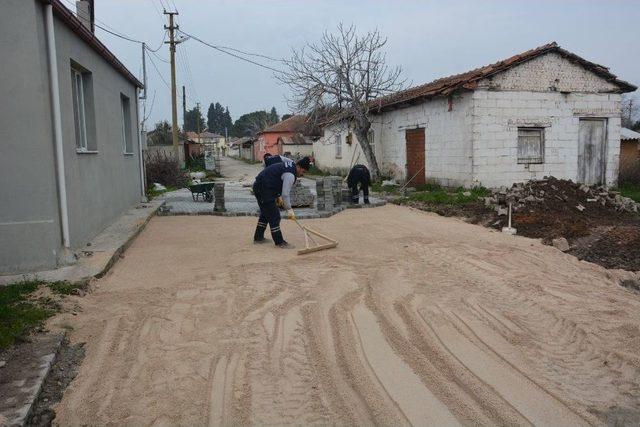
(592, 151)
(415, 156)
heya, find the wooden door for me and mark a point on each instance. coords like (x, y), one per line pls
(415, 156)
(592, 151)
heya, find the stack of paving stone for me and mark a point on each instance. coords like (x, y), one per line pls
(301, 196)
(346, 196)
(321, 196)
(218, 197)
(336, 186)
(329, 192)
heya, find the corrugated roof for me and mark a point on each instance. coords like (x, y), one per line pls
(71, 21)
(626, 133)
(469, 80)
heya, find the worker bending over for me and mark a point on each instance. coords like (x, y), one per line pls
(359, 175)
(274, 183)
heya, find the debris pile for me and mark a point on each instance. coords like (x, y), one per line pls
(563, 194)
(592, 223)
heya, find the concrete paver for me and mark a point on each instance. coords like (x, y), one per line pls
(238, 178)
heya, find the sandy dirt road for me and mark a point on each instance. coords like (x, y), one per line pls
(414, 319)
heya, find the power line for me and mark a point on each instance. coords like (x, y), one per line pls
(109, 29)
(153, 100)
(164, 38)
(229, 53)
(159, 73)
(243, 52)
(157, 56)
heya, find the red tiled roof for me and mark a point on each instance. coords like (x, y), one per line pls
(295, 123)
(71, 21)
(469, 80)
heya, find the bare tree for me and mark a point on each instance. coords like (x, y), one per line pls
(337, 79)
(630, 111)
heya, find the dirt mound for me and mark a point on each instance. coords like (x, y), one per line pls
(598, 223)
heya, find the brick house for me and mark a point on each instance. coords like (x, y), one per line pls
(292, 135)
(543, 112)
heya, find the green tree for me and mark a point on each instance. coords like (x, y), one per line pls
(286, 116)
(227, 122)
(273, 116)
(215, 118)
(161, 134)
(251, 123)
(193, 120)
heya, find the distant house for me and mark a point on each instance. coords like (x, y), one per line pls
(543, 112)
(629, 153)
(293, 135)
(71, 152)
(210, 140)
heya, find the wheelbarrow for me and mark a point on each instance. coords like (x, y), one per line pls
(202, 189)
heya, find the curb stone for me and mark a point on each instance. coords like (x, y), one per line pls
(24, 375)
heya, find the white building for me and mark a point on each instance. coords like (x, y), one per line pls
(545, 112)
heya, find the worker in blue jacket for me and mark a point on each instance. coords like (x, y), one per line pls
(274, 184)
(359, 176)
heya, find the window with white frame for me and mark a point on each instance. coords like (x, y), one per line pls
(79, 110)
(530, 145)
(127, 143)
(338, 146)
(81, 86)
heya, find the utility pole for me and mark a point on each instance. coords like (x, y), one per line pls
(198, 118)
(174, 107)
(184, 107)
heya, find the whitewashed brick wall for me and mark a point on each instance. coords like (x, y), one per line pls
(497, 116)
(547, 71)
(476, 143)
(324, 149)
(447, 141)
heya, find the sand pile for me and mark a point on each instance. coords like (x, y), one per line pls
(414, 319)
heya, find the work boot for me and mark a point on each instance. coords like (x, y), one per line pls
(285, 245)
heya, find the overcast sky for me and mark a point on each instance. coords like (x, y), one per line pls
(429, 39)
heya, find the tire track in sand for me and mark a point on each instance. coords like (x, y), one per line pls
(418, 404)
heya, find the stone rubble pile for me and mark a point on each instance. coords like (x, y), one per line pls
(549, 191)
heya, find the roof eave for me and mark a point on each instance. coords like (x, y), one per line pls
(68, 18)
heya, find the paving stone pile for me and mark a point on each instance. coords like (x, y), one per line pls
(301, 196)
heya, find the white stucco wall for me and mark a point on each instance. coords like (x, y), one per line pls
(497, 116)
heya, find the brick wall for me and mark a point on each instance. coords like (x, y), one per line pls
(324, 149)
(547, 71)
(447, 139)
(497, 116)
(476, 142)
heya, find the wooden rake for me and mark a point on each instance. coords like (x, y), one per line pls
(308, 235)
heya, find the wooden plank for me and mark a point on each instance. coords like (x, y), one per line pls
(317, 248)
